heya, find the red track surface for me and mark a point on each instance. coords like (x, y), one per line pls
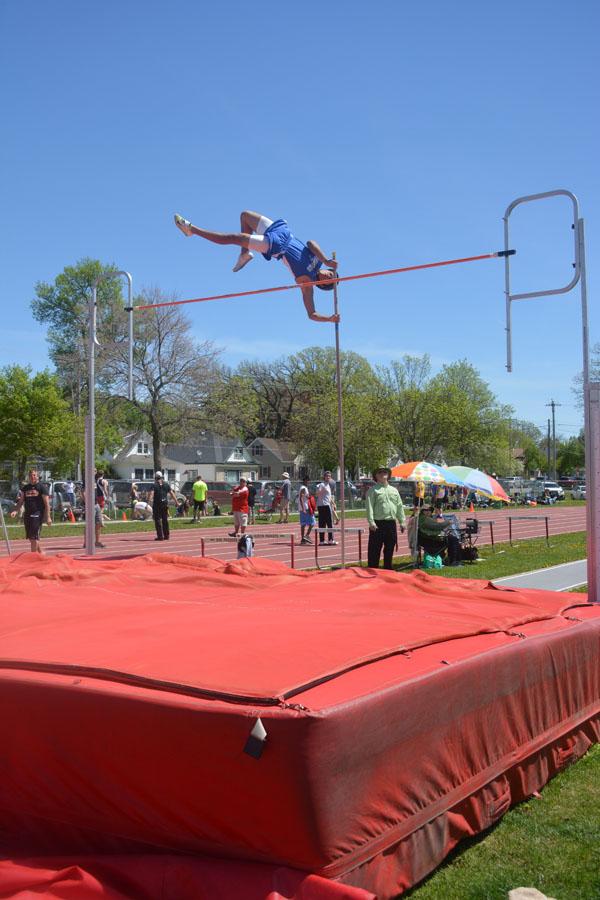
(187, 541)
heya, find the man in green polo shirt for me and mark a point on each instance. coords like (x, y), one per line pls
(384, 507)
(199, 489)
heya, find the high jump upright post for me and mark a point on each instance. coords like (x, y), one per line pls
(591, 390)
(90, 422)
(340, 412)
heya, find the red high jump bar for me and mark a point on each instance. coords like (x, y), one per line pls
(289, 287)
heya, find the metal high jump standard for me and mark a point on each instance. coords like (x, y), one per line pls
(591, 390)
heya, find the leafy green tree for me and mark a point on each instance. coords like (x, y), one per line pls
(231, 406)
(415, 407)
(62, 305)
(534, 458)
(37, 423)
(173, 375)
(478, 432)
(570, 455)
(451, 416)
(314, 425)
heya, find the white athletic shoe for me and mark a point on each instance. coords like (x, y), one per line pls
(183, 225)
(243, 259)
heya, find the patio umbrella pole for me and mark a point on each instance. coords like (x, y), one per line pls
(341, 460)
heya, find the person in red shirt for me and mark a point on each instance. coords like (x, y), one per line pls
(239, 508)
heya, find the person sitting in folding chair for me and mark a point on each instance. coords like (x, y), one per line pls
(275, 241)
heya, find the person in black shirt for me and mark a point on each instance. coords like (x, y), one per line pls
(251, 501)
(33, 497)
(159, 498)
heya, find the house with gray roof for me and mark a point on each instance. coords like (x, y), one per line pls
(274, 457)
(214, 457)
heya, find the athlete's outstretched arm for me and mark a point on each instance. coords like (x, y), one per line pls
(316, 250)
(309, 305)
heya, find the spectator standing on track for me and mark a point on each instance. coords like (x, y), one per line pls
(199, 491)
(251, 501)
(134, 496)
(306, 510)
(239, 508)
(159, 498)
(33, 497)
(325, 506)
(419, 494)
(384, 507)
(440, 496)
(98, 522)
(70, 492)
(101, 490)
(286, 496)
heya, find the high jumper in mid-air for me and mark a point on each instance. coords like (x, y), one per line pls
(275, 241)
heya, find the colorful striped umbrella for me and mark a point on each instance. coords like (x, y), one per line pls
(480, 482)
(427, 472)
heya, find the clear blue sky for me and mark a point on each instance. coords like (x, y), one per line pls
(394, 133)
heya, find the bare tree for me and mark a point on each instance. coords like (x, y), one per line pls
(173, 375)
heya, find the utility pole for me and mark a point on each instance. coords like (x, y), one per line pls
(553, 404)
(548, 451)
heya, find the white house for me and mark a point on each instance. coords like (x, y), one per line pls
(213, 457)
(274, 457)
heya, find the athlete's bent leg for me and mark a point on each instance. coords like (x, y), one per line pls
(252, 223)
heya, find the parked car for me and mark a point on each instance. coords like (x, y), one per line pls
(57, 492)
(578, 493)
(554, 490)
(8, 489)
(219, 492)
(120, 492)
(7, 506)
(567, 483)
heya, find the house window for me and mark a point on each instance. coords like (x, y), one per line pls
(142, 448)
(238, 453)
(149, 474)
(193, 473)
(265, 472)
(257, 449)
(139, 475)
(232, 476)
(171, 474)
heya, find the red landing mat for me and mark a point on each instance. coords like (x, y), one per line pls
(402, 712)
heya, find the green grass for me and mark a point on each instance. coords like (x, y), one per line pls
(551, 843)
(523, 556)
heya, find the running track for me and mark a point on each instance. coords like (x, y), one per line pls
(186, 541)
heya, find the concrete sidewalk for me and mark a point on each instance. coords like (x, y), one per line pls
(555, 578)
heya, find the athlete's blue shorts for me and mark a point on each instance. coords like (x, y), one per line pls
(307, 518)
(279, 236)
